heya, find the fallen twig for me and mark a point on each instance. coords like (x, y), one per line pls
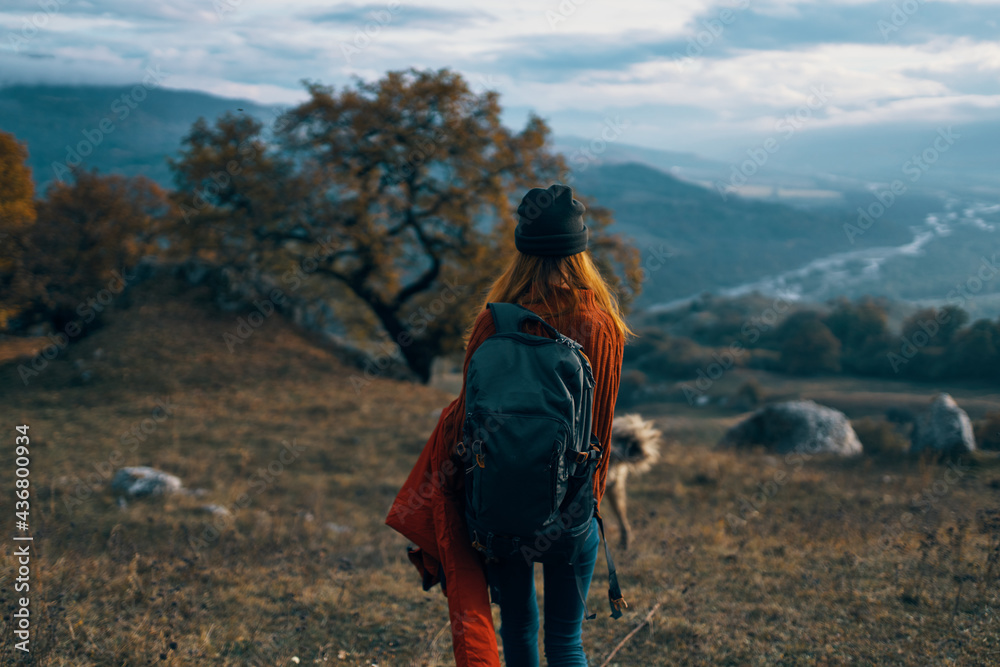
(429, 651)
(629, 636)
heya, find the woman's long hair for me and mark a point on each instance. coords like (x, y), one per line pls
(534, 278)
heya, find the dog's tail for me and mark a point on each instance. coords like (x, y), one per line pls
(635, 443)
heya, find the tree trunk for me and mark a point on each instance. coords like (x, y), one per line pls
(419, 357)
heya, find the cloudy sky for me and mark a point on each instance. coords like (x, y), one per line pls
(679, 75)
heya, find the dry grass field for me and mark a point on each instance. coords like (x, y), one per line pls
(881, 560)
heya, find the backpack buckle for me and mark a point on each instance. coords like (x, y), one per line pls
(477, 449)
(569, 342)
(581, 457)
(460, 448)
(619, 604)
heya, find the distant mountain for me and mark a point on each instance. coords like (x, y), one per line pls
(579, 151)
(718, 243)
(665, 201)
(122, 129)
(953, 155)
(795, 187)
(815, 166)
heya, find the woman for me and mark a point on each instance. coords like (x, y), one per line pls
(553, 275)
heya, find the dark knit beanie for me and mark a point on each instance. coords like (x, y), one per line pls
(550, 222)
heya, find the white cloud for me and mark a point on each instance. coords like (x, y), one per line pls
(261, 49)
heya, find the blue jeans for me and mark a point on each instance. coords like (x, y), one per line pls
(564, 609)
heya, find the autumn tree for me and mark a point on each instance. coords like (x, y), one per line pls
(862, 328)
(17, 215)
(807, 345)
(940, 326)
(975, 351)
(400, 191)
(89, 233)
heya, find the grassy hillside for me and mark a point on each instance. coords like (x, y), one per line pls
(820, 574)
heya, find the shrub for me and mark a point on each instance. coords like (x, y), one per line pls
(898, 415)
(750, 394)
(878, 436)
(632, 387)
(988, 431)
(807, 345)
(676, 357)
(649, 340)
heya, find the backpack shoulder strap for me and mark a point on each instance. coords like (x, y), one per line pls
(508, 318)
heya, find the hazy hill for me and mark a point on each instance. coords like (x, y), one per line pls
(715, 243)
(57, 121)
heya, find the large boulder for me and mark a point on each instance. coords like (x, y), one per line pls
(140, 481)
(943, 427)
(799, 426)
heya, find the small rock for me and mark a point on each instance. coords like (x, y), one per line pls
(215, 509)
(337, 528)
(140, 481)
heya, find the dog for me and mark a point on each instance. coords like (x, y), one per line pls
(635, 447)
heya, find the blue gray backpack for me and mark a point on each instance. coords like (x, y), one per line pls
(528, 448)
